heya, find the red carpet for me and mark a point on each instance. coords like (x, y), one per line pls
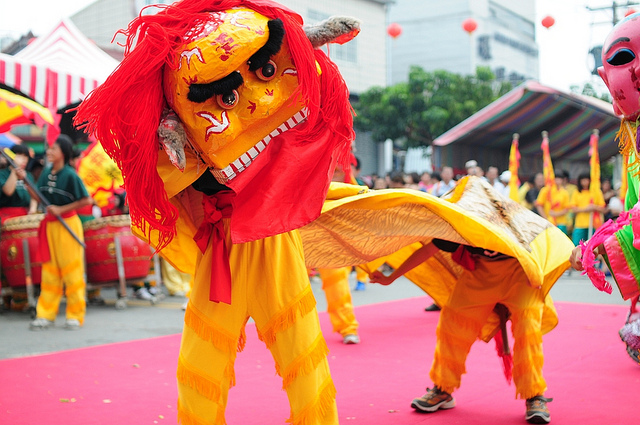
(588, 372)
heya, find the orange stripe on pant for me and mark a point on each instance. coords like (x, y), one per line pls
(269, 284)
(65, 268)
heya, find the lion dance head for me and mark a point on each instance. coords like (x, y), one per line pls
(248, 92)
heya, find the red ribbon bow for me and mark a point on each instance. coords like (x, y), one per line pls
(463, 257)
(211, 231)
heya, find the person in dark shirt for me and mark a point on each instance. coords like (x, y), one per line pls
(62, 256)
(15, 199)
(490, 282)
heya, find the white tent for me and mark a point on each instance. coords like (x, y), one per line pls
(57, 69)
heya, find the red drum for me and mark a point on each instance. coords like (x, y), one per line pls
(99, 237)
(14, 231)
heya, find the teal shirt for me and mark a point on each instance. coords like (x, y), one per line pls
(62, 187)
(20, 197)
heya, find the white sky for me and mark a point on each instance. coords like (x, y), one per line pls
(563, 48)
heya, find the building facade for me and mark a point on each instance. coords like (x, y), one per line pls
(362, 61)
(433, 38)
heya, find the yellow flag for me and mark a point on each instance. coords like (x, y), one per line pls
(547, 166)
(594, 161)
(514, 164)
(624, 184)
(100, 174)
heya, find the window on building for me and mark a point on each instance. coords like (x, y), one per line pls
(347, 52)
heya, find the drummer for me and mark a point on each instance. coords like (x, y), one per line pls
(14, 198)
(61, 254)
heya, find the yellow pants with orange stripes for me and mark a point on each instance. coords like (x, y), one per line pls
(64, 270)
(269, 284)
(470, 304)
(335, 283)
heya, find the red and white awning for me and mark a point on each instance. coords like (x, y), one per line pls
(50, 88)
(57, 69)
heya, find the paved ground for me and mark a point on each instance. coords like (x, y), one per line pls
(105, 324)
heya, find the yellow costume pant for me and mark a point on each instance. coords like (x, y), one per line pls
(335, 283)
(66, 267)
(270, 284)
(470, 304)
(361, 275)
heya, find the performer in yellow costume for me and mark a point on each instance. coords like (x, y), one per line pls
(61, 255)
(553, 204)
(254, 123)
(471, 220)
(588, 207)
(335, 284)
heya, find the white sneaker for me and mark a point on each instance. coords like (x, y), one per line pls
(351, 339)
(40, 324)
(143, 293)
(72, 325)
(184, 306)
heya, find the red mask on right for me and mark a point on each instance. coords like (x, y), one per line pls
(621, 66)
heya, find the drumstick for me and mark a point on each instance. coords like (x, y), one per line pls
(9, 155)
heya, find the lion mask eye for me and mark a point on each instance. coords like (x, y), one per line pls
(228, 100)
(268, 71)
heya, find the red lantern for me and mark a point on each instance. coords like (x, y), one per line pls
(629, 12)
(548, 21)
(394, 30)
(469, 25)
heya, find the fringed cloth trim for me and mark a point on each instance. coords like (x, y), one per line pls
(525, 339)
(530, 386)
(50, 268)
(52, 288)
(49, 306)
(78, 308)
(230, 373)
(314, 412)
(75, 286)
(304, 303)
(188, 418)
(200, 382)
(524, 366)
(531, 393)
(206, 329)
(460, 323)
(627, 143)
(304, 363)
(73, 266)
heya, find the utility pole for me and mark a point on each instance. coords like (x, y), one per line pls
(614, 9)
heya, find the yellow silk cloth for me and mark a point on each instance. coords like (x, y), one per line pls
(368, 228)
(182, 251)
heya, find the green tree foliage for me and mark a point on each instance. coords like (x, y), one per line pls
(588, 90)
(429, 104)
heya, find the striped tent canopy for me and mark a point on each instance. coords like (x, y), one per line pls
(57, 69)
(528, 110)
